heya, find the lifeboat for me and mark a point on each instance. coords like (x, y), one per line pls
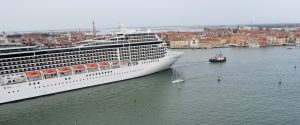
(32, 73)
(104, 64)
(91, 65)
(115, 62)
(49, 71)
(64, 69)
(78, 67)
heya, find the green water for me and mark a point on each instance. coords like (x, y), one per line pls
(248, 94)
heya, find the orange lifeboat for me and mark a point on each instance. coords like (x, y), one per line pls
(49, 71)
(104, 64)
(32, 73)
(78, 67)
(91, 65)
(64, 69)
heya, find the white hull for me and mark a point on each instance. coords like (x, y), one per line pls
(32, 89)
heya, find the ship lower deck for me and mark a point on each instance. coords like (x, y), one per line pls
(32, 89)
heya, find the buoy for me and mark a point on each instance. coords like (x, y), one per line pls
(280, 81)
(295, 67)
(219, 79)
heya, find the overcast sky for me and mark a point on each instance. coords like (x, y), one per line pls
(25, 15)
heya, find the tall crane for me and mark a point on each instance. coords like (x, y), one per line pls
(236, 29)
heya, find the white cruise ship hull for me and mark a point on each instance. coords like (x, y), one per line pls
(32, 89)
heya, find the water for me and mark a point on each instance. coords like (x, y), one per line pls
(248, 93)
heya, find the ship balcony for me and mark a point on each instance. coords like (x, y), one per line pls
(111, 50)
(101, 53)
(134, 56)
(124, 54)
(134, 59)
(143, 58)
(134, 49)
(124, 58)
(143, 54)
(124, 51)
(135, 52)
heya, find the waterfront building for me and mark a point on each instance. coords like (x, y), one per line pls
(194, 43)
(271, 40)
(180, 44)
(262, 40)
(281, 40)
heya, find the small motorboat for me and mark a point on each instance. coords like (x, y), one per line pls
(218, 58)
(178, 81)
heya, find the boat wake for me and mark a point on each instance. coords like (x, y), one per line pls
(184, 64)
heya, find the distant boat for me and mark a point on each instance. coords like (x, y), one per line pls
(176, 78)
(218, 58)
(178, 81)
(289, 48)
(254, 45)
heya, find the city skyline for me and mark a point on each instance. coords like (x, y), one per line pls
(63, 14)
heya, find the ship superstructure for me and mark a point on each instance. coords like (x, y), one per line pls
(28, 71)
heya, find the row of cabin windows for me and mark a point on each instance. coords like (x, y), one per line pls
(54, 58)
(79, 71)
(74, 81)
(59, 63)
(87, 53)
(61, 54)
(64, 54)
(93, 74)
(48, 66)
(13, 91)
(150, 61)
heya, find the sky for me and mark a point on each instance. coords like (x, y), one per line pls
(28, 15)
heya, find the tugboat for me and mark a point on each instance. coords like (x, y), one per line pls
(218, 58)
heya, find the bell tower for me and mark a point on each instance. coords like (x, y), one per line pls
(94, 29)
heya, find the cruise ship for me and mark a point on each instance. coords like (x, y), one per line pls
(29, 71)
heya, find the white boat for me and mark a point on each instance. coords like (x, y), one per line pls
(254, 45)
(29, 72)
(178, 80)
